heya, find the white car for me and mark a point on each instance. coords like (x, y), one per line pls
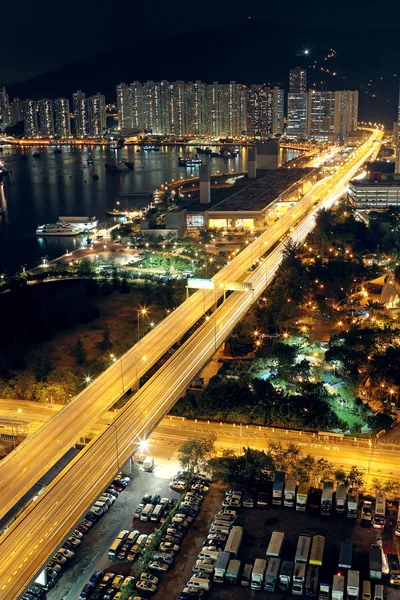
(199, 487)
(149, 577)
(167, 546)
(158, 565)
(177, 486)
(144, 586)
(232, 501)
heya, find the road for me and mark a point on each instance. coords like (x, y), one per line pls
(69, 424)
(375, 462)
(25, 547)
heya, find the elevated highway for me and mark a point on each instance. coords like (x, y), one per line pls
(28, 543)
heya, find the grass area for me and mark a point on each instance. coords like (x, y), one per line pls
(352, 420)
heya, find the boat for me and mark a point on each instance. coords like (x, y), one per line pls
(189, 162)
(90, 159)
(215, 155)
(206, 151)
(156, 149)
(130, 165)
(3, 170)
(116, 168)
(36, 155)
(148, 148)
(95, 176)
(57, 150)
(57, 229)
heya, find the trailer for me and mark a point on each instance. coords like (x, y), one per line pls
(299, 576)
(375, 562)
(277, 488)
(325, 583)
(353, 585)
(340, 498)
(352, 504)
(221, 566)
(338, 587)
(326, 498)
(345, 555)
(394, 569)
(302, 495)
(289, 495)
(303, 548)
(317, 550)
(272, 573)
(275, 544)
(233, 571)
(311, 588)
(285, 575)
(234, 540)
(257, 575)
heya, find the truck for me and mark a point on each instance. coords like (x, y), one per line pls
(234, 540)
(303, 548)
(353, 585)
(325, 583)
(345, 555)
(314, 500)
(352, 504)
(221, 566)
(233, 571)
(275, 544)
(257, 575)
(277, 488)
(311, 587)
(299, 576)
(340, 498)
(285, 575)
(375, 562)
(302, 495)
(366, 511)
(338, 587)
(272, 573)
(394, 569)
(326, 498)
(289, 496)
(148, 463)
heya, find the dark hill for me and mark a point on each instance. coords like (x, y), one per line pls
(253, 51)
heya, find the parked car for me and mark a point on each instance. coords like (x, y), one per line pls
(113, 492)
(156, 499)
(141, 539)
(117, 581)
(217, 537)
(144, 586)
(233, 501)
(83, 529)
(138, 510)
(171, 538)
(177, 486)
(54, 565)
(66, 552)
(149, 577)
(60, 558)
(123, 551)
(74, 540)
(128, 580)
(96, 577)
(158, 565)
(133, 553)
(166, 546)
(149, 540)
(146, 499)
(176, 532)
(107, 579)
(199, 487)
(85, 523)
(86, 592)
(51, 573)
(109, 594)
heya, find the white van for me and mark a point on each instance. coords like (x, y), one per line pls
(203, 567)
(102, 505)
(146, 513)
(378, 592)
(206, 553)
(198, 583)
(366, 590)
(219, 528)
(106, 500)
(156, 514)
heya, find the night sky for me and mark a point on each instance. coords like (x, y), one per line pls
(38, 36)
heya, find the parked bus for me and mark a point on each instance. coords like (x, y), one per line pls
(303, 549)
(378, 522)
(114, 548)
(311, 588)
(234, 540)
(317, 550)
(275, 544)
(146, 513)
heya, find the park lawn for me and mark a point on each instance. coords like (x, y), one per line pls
(352, 420)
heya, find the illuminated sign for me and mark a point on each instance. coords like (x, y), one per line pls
(200, 284)
(238, 286)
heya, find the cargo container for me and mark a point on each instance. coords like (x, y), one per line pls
(233, 571)
(326, 498)
(302, 495)
(338, 587)
(375, 562)
(379, 519)
(275, 544)
(353, 585)
(352, 504)
(289, 495)
(285, 575)
(345, 555)
(311, 587)
(299, 576)
(257, 576)
(277, 488)
(221, 566)
(272, 573)
(340, 498)
(317, 550)
(303, 548)
(234, 540)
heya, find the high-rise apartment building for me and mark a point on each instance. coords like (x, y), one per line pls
(321, 115)
(17, 111)
(152, 106)
(278, 110)
(124, 107)
(62, 117)
(46, 118)
(346, 114)
(81, 116)
(396, 131)
(97, 115)
(297, 115)
(31, 124)
(5, 110)
(297, 80)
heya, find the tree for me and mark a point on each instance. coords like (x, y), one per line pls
(194, 454)
(41, 363)
(106, 342)
(355, 477)
(79, 352)
(254, 466)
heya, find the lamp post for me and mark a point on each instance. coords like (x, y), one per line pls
(11, 410)
(143, 312)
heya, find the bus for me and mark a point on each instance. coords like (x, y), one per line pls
(234, 540)
(114, 548)
(303, 549)
(311, 588)
(146, 513)
(397, 528)
(275, 544)
(317, 550)
(345, 555)
(378, 522)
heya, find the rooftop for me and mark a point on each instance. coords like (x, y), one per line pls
(259, 193)
(384, 183)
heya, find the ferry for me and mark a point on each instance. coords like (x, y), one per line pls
(56, 229)
(189, 162)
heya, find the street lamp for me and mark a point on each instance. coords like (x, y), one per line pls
(143, 312)
(18, 411)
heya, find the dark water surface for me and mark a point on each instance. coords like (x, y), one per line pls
(39, 190)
